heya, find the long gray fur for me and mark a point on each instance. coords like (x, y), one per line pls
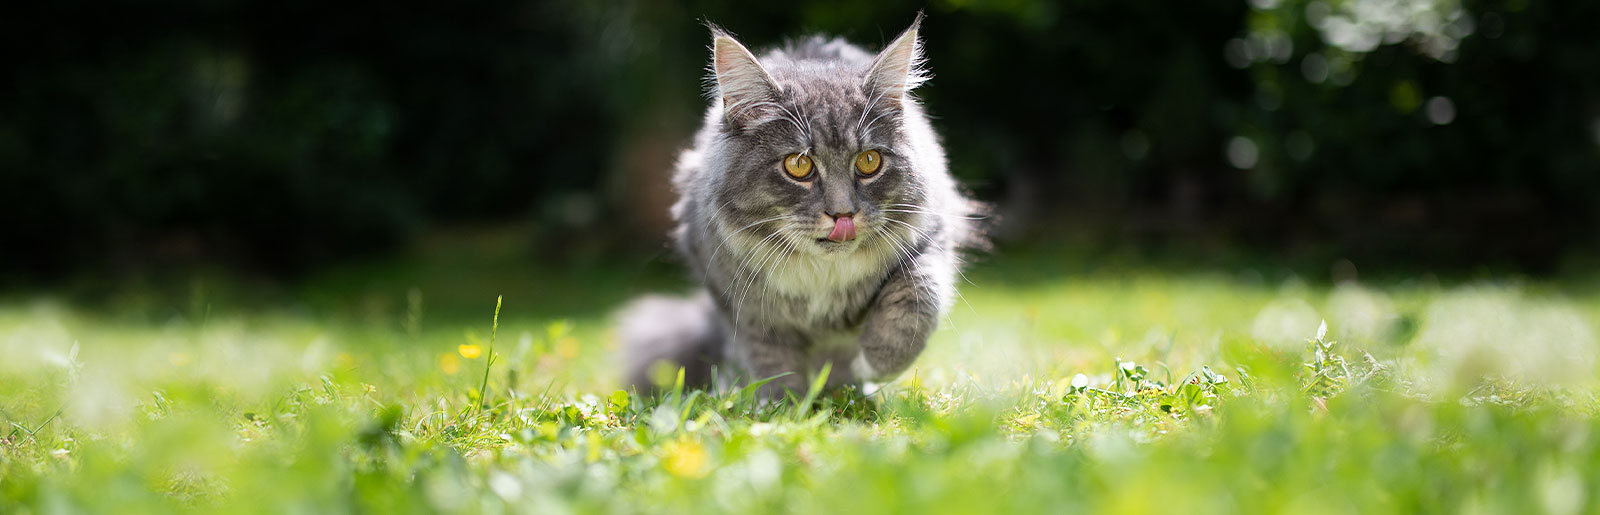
(779, 297)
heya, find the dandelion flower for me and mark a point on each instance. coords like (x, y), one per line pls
(686, 458)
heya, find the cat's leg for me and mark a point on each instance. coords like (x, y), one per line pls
(764, 353)
(900, 320)
(838, 358)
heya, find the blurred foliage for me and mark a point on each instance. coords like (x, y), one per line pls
(286, 134)
(1425, 129)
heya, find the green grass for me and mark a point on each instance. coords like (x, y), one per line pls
(1053, 387)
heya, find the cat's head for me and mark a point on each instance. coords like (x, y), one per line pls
(821, 145)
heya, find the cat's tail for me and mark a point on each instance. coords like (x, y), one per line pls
(660, 334)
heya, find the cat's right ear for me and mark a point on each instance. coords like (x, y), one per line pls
(898, 68)
(746, 90)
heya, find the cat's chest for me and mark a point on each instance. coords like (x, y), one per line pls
(828, 291)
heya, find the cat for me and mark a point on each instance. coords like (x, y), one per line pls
(815, 208)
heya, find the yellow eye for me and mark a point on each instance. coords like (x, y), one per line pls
(798, 166)
(868, 162)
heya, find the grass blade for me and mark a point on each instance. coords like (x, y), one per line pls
(483, 389)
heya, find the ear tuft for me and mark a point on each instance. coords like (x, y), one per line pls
(743, 85)
(898, 68)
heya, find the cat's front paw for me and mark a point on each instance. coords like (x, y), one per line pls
(862, 369)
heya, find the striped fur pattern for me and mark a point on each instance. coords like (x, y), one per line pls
(780, 297)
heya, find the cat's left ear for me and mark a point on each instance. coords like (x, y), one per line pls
(898, 68)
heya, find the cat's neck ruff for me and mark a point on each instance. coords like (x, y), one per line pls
(813, 276)
(826, 285)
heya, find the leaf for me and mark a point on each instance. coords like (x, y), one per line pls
(1192, 395)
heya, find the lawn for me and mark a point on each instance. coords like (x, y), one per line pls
(1055, 386)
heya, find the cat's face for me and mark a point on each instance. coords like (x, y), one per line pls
(815, 155)
(834, 175)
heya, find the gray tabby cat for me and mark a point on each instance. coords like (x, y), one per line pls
(816, 210)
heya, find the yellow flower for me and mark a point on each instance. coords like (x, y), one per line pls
(469, 351)
(686, 458)
(449, 363)
(567, 348)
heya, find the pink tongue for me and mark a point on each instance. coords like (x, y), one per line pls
(844, 229)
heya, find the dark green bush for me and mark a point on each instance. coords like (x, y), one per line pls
(286, 134)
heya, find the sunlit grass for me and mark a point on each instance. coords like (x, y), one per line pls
(1135, 391)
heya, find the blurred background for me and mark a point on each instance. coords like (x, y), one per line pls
(287, 138)
(280, 229)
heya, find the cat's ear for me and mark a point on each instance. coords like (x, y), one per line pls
(745, 88)
(898, 68)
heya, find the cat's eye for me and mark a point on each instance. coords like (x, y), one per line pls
(797, 166)
(868, 162)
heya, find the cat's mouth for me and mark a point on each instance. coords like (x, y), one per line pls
(834, 241)
(833, 245)
(829, 249)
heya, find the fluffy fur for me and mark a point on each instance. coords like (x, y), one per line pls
(779, 296)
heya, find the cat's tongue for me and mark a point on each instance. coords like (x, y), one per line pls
(844, 229)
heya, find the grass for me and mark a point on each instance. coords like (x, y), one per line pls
(1051, 388)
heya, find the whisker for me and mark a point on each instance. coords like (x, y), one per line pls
(875, 121)
(743, 266)
(768, 258)
(729, 236)
(957, 291)
(871, 104)
(947, 215)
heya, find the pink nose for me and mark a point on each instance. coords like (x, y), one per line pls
(844, 229)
